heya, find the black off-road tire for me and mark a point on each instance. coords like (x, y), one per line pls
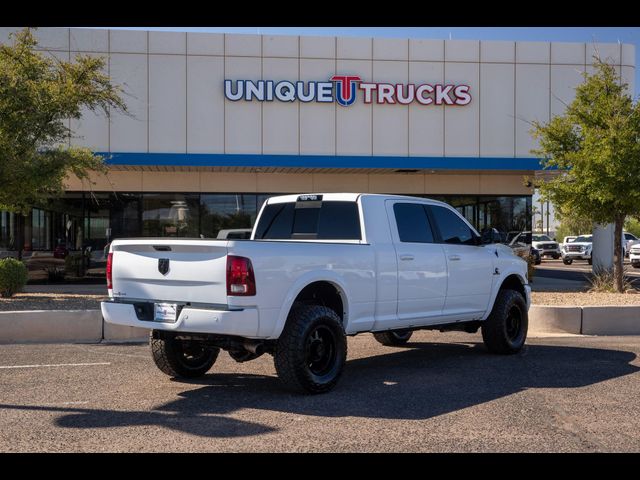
(179, 359)
(556, 257)
(393, 338)
(505, 331)
(567, 261)
(590, 261)
(312, 350)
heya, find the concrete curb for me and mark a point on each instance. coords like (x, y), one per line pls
(554, 319)
(52, 326)
(611, 320)
(585, 320)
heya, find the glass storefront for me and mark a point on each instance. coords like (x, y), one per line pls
(85, 223)
(81, 220)
(8, 230)
(507, 214)
(170, 215)
(226, 211)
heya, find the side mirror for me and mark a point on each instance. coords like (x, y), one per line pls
(490, 236)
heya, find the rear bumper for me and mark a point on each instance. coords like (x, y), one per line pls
(243, 323)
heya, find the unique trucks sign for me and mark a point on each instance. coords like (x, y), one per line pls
(343, 90)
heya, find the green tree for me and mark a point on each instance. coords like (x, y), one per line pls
(38, 94)
(571, 224)
(595, 146)
(632, 225)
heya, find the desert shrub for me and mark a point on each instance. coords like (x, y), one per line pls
(13, 276)
(602, 281)
(531, 261)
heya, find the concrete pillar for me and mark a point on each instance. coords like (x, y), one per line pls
(602, 252)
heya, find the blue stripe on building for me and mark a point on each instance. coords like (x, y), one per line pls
(321, 161)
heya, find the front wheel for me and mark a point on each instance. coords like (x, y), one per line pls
(182, 358)
(590, 261)
(312, 350)
(567, 261)
(393, 338)
(505, 331)
(556, 257)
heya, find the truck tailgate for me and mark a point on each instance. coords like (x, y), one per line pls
(196, 270)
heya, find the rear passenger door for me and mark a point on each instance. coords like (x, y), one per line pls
(422, 269)
(470, 266)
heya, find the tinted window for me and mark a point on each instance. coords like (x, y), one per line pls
(339, 220)
(324, 221)
(305, 222)
(413, 224)
(276, 221)
(452, 228)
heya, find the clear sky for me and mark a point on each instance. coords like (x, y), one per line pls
(547, 34)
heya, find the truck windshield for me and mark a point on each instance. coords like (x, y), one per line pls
(583, 239)
(540, 238)
(314, 220)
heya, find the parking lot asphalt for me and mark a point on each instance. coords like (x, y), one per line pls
(440, 393)
(553, 275)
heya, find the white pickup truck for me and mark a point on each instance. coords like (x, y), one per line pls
(318, 267)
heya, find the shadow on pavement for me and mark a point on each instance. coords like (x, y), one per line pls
(419, 381)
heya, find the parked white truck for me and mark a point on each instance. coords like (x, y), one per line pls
(318, 267)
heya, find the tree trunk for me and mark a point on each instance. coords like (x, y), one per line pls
(618, 258)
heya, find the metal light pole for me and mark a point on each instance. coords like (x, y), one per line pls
(547, 217)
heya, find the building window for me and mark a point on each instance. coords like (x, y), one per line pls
(8, 231)
(170, 215)
(40, 223)
(224, 212)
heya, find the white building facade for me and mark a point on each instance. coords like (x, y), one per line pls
(448, 119)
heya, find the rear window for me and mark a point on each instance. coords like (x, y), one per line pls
(310, 221)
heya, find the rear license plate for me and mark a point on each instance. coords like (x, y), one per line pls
(165, 312)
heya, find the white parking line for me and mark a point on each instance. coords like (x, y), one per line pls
(56, 365)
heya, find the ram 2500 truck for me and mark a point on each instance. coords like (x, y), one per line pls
(318, 268)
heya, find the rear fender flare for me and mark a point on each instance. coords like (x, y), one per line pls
(300, 284)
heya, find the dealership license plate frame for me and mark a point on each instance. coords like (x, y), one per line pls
(165, 312)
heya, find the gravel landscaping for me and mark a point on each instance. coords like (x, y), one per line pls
(581, 299)
(50, 301)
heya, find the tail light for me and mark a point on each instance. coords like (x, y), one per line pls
(109, 271)
(240, 279)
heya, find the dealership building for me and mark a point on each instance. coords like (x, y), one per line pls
(219, 122)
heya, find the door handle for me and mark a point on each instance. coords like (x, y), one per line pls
(406, 256)
(454, 258)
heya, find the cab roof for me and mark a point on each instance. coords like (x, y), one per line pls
(337, 197)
